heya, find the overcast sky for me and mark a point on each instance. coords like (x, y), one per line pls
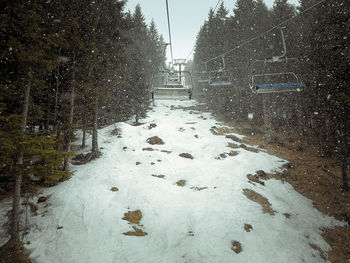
(186, 17)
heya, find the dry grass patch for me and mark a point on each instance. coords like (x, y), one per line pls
(236, 247)
(263, 201)
(181, 183)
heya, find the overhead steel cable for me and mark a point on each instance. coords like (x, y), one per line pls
(171, 45)
(263, 33)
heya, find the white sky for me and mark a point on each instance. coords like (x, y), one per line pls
(186, 17)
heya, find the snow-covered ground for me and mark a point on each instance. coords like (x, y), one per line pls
(196, 222)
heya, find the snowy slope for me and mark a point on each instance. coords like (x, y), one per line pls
(83, 222)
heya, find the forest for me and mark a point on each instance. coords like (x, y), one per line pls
(317, 35)
(83, 65)
(67, 65)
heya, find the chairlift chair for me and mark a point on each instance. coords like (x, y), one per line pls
(272, 79)
(172, 87)
(221, 77)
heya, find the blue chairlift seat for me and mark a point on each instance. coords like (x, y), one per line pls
(220, 83)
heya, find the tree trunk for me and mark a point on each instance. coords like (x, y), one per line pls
(67, 147)
(345, 186)
(17, 190)
(267, 116)
(83, 142)
(94, 149)
(57, 76)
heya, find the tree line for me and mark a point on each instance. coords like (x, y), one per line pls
(67, 65)
(318, 38)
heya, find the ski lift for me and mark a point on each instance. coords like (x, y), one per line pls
(203, 76)
(221, 77)
(271, 79)
(173, 85)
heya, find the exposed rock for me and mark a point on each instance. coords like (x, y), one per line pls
(186, 155)
(164, 151)
(155, 140)
(138, 163)
(236, 247)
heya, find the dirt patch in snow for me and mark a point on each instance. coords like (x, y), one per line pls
(221, 130)
(233, 138)
(114, 189)
(236, 247)
(155, 140)
(323, 255)
(233, 145)
(151, 126)
(133, 217)
(159, 175)
(248, 227)
(138, 232)
(186, 155)
(164, 151)
(316, 177)
(245, 147)
(261, 200)
(224, 155)
(149, 149)
(196, 188)
(255, 179)
(181, 183)
(81, 159)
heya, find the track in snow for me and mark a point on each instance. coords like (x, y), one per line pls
(83, 222)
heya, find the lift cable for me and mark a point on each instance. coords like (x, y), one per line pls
(171, 46)
(263, 33)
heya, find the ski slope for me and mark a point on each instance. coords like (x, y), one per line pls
(82, 220)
